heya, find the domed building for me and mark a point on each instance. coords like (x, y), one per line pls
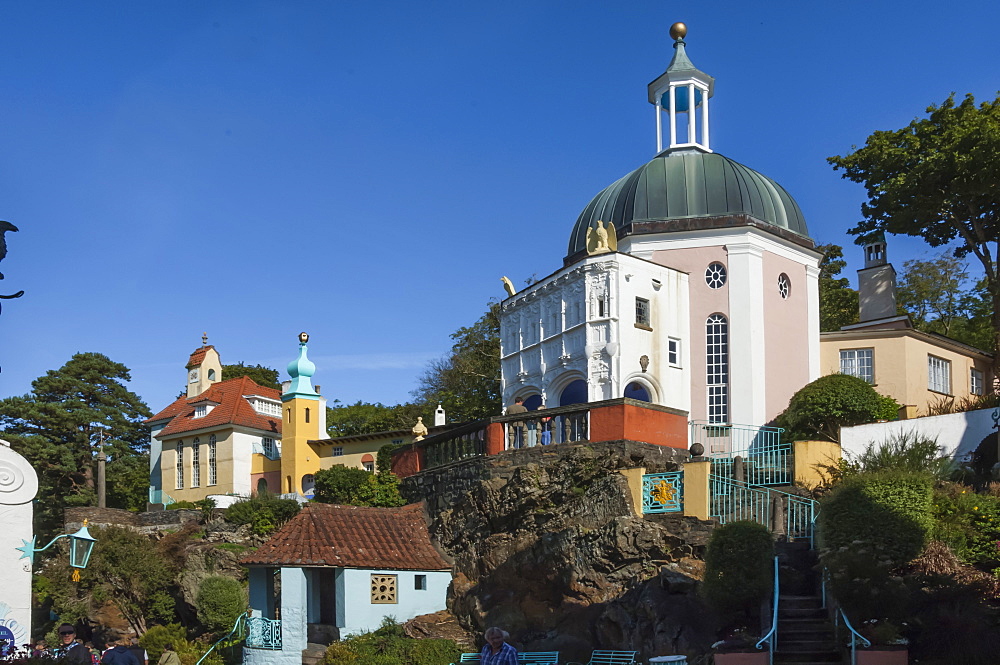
(690, 283)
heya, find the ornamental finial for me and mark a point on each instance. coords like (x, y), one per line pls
(678, 31)
(303, 337)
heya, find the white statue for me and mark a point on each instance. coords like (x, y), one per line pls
(419, 430)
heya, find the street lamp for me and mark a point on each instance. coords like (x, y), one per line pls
(81, 544)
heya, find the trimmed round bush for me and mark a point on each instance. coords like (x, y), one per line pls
(220, 601)
(739, 568)
(821, 408)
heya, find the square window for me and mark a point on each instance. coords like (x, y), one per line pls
(338, 451)
(975, 382)
(938, 375)
(859, 363)
(642, 312)
(200, 411)
(420, 582)
(674, 352)
(384, 590)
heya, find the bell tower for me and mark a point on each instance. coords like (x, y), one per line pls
(303, 421)
(680, 96)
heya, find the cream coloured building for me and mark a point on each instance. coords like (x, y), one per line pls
(917, 369)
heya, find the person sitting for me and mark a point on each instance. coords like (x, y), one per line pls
(497, 651)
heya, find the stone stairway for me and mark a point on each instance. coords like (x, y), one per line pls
(313, 653)
(805, 632)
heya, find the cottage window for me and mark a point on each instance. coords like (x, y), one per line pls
(975, 382)
(938, 375)
(858, 362)
(420, 582)
(384, 590)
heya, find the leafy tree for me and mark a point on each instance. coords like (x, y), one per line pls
(932, 292)
(349, 486)
(367, 418)
(264, 376)
(467, 382)
(838, 302)
(62, 422)
(819, 409)
(936, 179)
(128, 482)
(130, 570)
(264, 512)
(738, 568)
(220, 601)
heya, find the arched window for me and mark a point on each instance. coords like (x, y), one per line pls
(308, 483)
(717, 367)
(213, 470)
(574, 393)
(196, 463)
(533, 402)
(307, 414)
(211, 375)
(368, 462)
(261, 487)
(290, 488)
(180, 465)
(636, 390)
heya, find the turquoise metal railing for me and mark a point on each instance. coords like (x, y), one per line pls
(263, 633)
(772, 635)
(731, 501)
(663, 492)
(766, 460)
(855, 635)
(234, 635)
(159, 496)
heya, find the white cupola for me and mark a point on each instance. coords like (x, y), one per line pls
(680, 96)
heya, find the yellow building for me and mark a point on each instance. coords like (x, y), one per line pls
(918, 369)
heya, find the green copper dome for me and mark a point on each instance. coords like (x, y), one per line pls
(684, 190)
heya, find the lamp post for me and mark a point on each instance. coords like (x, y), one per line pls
(81, 544)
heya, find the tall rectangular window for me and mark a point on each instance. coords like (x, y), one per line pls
(642, 317)
(268, 444)
(859, 363)
(938, 375)
(180, 465)
(213, 469)
(196, 463)
(717, 367)
(674, 352)
(975, 381)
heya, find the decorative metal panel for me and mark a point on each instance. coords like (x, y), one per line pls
(662, 492)
(384, 590)
(263, 633)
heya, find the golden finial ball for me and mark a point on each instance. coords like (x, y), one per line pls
(303, 337)
(678, 31)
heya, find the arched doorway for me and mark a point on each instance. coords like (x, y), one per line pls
(308, 483)
(636, 390)
(533, 402)
(261, 487)
(574, 393)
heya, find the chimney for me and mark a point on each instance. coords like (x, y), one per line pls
(876, 284)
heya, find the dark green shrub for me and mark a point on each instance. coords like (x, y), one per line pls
(158, 636)
(264, 513)
(183, 505)
(220, 601)
(821, 408)
(739, 569)
(969, 523)
(388, 645)
(869, 526)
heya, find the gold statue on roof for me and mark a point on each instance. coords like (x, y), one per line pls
(601, 239)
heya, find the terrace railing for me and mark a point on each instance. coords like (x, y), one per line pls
(270, 452)
(564, 424)
(159, 496)
(765, 459)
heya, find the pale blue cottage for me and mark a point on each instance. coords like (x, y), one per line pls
(342, 569)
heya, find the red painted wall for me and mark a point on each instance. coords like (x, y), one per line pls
(407, 461)
(635, 423)
(273, 479)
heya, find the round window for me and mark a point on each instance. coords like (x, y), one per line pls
(784, 285)
(715, 275)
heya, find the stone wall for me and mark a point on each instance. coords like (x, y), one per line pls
(149, 522)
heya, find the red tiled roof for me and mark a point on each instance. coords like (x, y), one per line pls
(232, 409)
(198, 356)
(352, 537)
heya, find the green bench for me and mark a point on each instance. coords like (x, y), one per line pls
(610, 657)
(523, 657)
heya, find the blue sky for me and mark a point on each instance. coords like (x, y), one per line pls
(367, 171)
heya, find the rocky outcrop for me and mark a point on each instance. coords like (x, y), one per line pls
(547, 544)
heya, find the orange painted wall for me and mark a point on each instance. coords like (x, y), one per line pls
(625, 421)
(407, 461)
(495, 440)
